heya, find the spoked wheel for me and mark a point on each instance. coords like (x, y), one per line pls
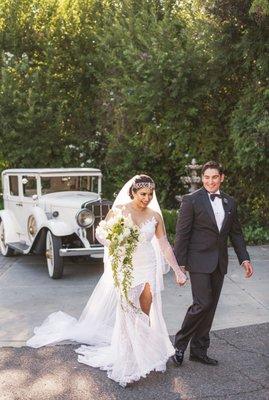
(54, 261)
(6, 251)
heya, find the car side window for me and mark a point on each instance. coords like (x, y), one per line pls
(29, 186)
(13, 185)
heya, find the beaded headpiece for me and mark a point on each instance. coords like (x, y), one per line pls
(141, 185)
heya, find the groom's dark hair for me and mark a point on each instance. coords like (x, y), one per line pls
(212, 165)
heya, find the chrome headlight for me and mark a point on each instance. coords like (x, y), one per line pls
(85, 218)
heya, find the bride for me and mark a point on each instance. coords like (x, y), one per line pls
(128, 339)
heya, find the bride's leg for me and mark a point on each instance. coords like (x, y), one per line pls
(146, 299)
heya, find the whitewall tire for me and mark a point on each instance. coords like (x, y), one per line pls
(54, 260)
(5, 250)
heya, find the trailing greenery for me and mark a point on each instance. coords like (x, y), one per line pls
(139, 86)
(122, 236)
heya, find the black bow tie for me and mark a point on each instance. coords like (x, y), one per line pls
(214, 195)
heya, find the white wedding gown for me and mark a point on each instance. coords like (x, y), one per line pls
(117, 337)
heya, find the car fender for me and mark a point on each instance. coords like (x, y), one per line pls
(59, 228)
(10, 225)
(40, 217)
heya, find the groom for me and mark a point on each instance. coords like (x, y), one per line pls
(207, 218)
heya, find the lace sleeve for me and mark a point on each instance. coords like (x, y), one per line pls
(169, 256)
(100, 238)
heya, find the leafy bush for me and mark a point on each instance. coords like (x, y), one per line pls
(256, 234)
(170, 219)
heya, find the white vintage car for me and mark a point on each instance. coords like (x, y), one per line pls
(52, 211)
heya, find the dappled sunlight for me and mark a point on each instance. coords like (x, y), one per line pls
(12, 378)
(89, 386)
(50, 372)
(53, 372)
(50, 384)
(180, 386)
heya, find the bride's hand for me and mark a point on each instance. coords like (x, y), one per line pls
(181, 278)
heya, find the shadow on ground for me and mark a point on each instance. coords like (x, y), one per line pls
(53, 373)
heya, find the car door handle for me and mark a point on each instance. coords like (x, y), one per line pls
(19, 204)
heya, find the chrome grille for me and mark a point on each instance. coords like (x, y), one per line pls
(99, 209)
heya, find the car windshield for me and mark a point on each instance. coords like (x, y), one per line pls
(67, 183)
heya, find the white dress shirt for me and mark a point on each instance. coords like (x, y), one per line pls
(217, 209)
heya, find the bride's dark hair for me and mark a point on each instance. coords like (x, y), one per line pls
(140, 180)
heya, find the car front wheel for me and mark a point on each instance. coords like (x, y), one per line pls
(54, 261)
(5, 250)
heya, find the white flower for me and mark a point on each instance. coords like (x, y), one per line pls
(126, 232)
(129, 222)
(120, 237)
(8, 54)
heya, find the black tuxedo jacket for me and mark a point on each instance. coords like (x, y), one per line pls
(199, 245)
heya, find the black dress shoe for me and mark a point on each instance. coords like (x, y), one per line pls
(204, 359)
(178, 357)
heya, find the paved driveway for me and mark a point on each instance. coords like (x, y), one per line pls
(53, 373)
(28, 295)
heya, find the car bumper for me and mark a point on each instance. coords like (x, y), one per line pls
(97, 252)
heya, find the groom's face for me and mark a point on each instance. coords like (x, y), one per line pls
(212, 179)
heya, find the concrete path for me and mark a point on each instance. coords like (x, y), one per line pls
(28, 295)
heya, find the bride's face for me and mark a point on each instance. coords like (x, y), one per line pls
(143, 197)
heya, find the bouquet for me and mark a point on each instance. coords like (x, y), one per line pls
(121, 236)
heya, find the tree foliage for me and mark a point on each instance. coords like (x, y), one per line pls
(138, 86)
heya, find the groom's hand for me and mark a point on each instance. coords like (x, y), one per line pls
(248, 268)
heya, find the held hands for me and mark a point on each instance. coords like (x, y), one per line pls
(180, 277)
(248, 268)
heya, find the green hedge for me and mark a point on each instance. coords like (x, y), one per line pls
(256, 235)
(139, 86)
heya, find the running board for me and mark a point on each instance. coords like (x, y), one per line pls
(96, 251)
(21, 247)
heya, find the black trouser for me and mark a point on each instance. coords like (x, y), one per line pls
(197, 323)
